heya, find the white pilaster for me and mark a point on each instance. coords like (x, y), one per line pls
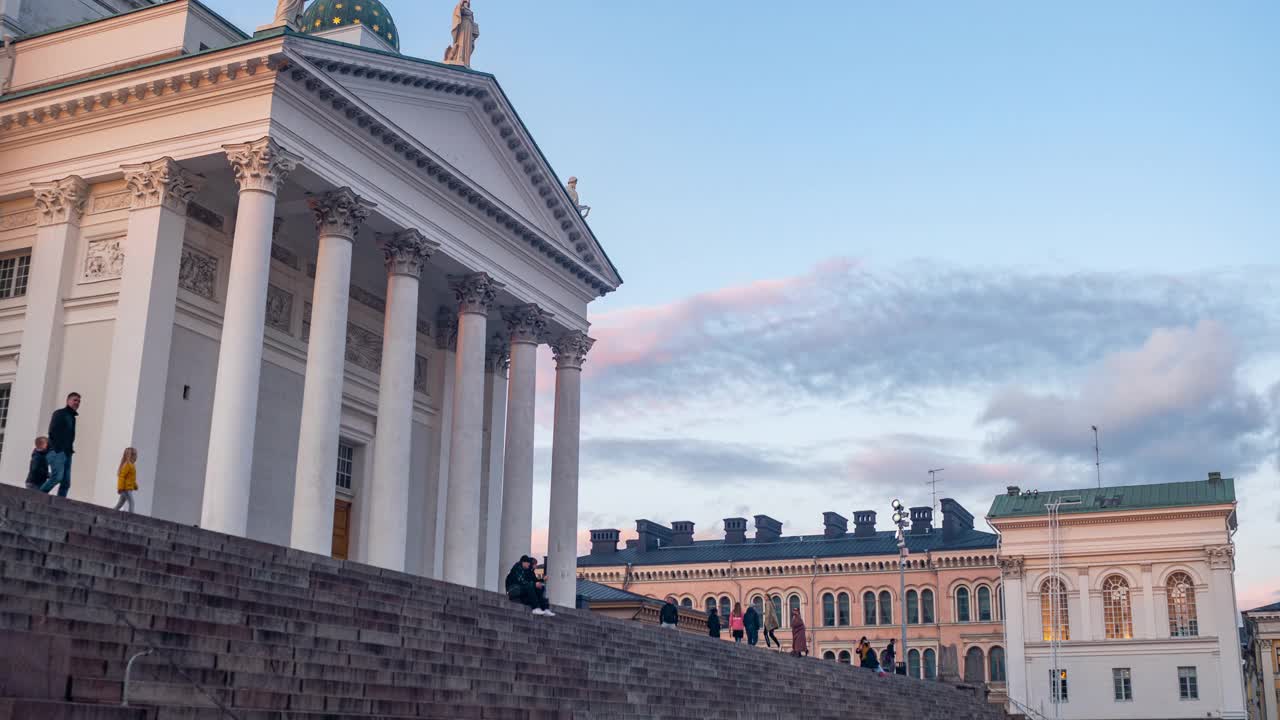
(1148, 626)
(339, 215)
(497, 356)
(139, 367)
(570, 352)
(406, 255)
(1268, 692)
(1222, 590)
(1082, 625)
(59, 209)
(443, 374)
(526, 326)
(476, 294)
(261, 168)
(1015, 631)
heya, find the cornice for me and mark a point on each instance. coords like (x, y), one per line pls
(1113, 518)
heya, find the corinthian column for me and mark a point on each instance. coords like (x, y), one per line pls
(59, 208)
(144, 323)
(570, 351)
(476, 293)
(526, 326)
(497, 355)
(260, 168)
(442, 379)
(339, 215)
(406, 255)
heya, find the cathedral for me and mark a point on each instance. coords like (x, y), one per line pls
(305, 275)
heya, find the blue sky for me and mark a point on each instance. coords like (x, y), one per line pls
(864, 239)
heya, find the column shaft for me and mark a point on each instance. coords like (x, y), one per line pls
(461, 551)
(59, 205)
(527, 325)
(139, 366)
(495, 426)
(443, 376)
(406, 253)
(338, 218)
(562, 532)
(260, 168)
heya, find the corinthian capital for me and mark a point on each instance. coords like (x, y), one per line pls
(340, 212)
(497, 355)
(61, 201)
(1012, 567)
(570, 350)
(525, 324)
(447, 329)
(161, 183)
(476, 293)
(261, 165)
(1220, 557)
(407, 252)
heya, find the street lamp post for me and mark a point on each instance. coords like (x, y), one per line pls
(900, 518)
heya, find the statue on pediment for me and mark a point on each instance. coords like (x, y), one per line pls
(288, 12)
(465, 34)
(572, 188)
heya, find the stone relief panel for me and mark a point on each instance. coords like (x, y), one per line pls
(22, 218)
(368, 299)
(285, 256)
(198, 273)
(364, 348)
(103, 260)
(205, 216)
(279, 309)
(114, 201)
(420, 374)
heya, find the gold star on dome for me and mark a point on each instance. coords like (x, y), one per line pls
(337, 21)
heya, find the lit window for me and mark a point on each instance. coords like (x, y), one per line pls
(1058, 685)
(868, 608)
(962, 604)
(886, 608)
(926, 607)
(1188, 688)
(346, 465)
(1182, 606)
(14, 272)
(1117, 611)
(984, 604)
(1122, 682)
(1053, 610)
(842, 609)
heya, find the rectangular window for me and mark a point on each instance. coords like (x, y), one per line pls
(4, 412)
(1058, 685)
(1122, 681)
(14, 271)
(1188, 688)
(346, 465)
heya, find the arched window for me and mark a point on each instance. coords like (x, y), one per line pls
(996, 660)
(1182, 606)
(1117, 611)
(962, 604)
(913, 663)
(758, 603)
(793, 605)
(842, 609)
(930, 664)
(886, 608)
(711, 604)
(828, 609)
(687, 603)
(1000, 597)
(926, 607)
(975, 670)
(777, 610)
(828, 655)
(913, 607)
(868, 608)
(1053, 610)
(726, 608)
(984, 604)
(845, 658)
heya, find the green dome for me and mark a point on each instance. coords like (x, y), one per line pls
(329, 14)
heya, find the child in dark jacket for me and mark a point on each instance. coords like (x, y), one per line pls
(38, 473)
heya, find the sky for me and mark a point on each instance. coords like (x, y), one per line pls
(861, 240)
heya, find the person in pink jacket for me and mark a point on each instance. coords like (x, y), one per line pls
(736, 624)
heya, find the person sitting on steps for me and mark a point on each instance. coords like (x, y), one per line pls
(670, 615)
(524, 587)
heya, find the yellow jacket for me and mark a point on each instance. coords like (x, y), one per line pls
(127, 478)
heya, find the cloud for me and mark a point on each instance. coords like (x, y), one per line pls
(702, 462)
(1172, 407)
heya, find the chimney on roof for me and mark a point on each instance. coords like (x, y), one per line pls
(735, 531)
(632, 544)
(922, 520)
(955, 519)
(604, 542)
(767, 529)
(652, 535)
(1013, 490)
(835, 525)
(1215, 477)
(864, 523)
(681, 533)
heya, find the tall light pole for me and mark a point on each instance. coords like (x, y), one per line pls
(901, 518)
(1097, 455)
(933, 484)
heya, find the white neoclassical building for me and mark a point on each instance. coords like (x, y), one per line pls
(1121, 601)
(304, 275)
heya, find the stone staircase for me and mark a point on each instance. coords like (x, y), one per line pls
(246, 630)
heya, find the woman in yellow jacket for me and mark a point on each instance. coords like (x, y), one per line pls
(127, 478)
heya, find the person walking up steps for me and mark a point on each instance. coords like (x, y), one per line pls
(736, 625)
(38, 473)
(127, 478)
(799, 643)
(770, 624)
(713, 622)
(751, 623)
(62, 445)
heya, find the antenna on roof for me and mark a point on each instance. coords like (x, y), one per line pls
(933, 482)
(1097, 455)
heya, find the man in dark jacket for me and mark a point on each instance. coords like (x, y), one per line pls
(889, 658)
(713, 622)
(670, 615)
(751, 623)
(524, 587)
(62, 445)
